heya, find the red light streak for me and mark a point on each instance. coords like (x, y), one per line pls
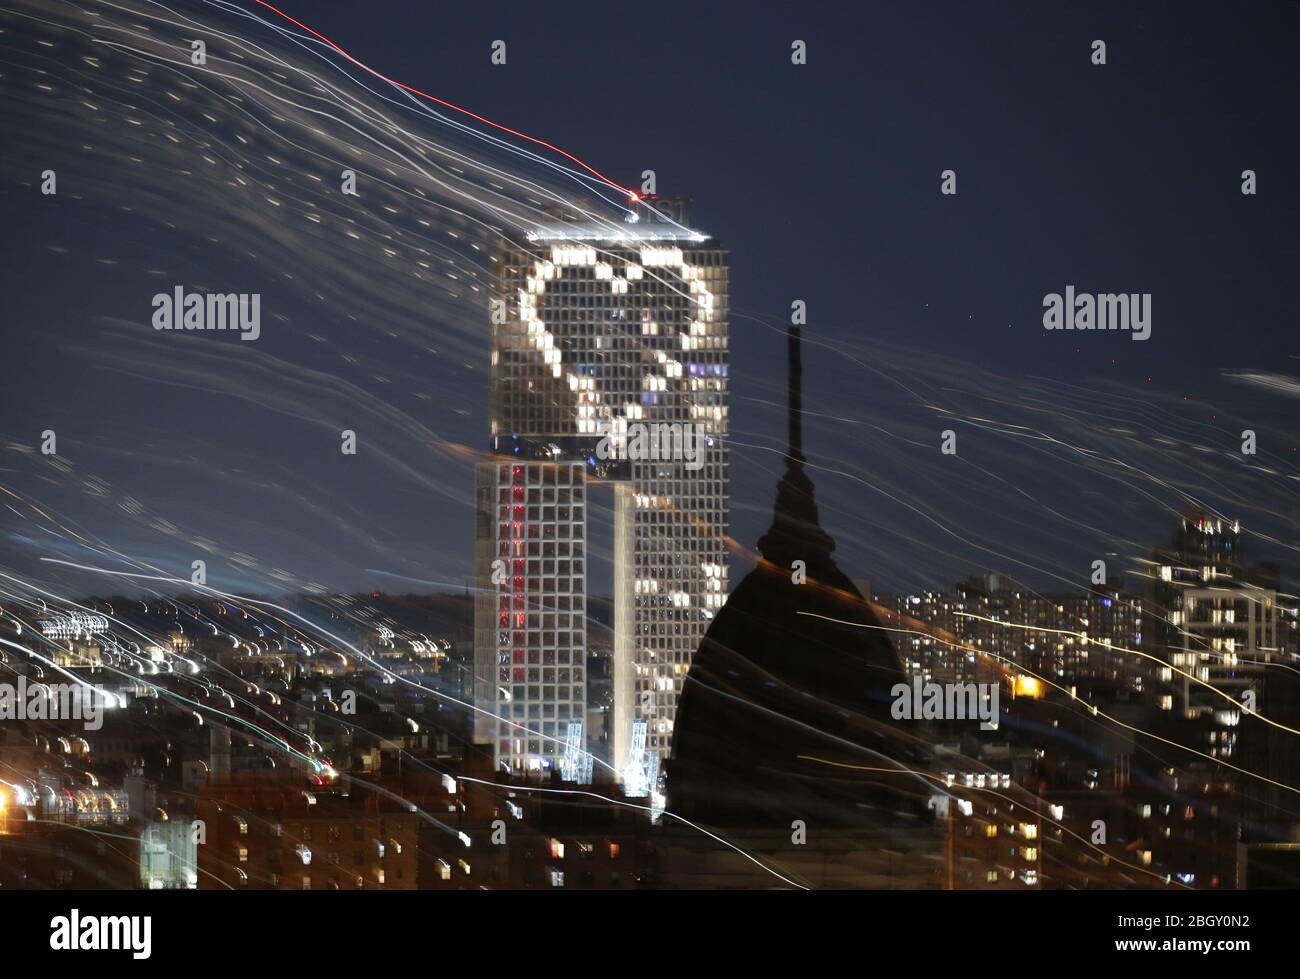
(631, 194)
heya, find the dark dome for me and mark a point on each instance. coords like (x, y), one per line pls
(781, 675)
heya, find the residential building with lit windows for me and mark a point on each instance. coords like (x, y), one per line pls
(987, 625)
(601, 333)
(266, 833)
(1216, 632)
(993, 842)
(1221, 655)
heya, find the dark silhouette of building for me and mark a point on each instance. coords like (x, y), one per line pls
(785, 714)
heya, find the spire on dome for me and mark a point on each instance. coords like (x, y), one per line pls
(796, 532)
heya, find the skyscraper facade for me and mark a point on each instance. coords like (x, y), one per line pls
(609, 361)
(530, 612)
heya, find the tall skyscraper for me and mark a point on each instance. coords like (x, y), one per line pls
(609, 363)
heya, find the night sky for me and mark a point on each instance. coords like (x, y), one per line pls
(823, 181)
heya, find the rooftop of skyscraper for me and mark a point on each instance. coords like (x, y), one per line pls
(651, 219)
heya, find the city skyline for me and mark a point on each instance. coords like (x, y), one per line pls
(679, 451)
